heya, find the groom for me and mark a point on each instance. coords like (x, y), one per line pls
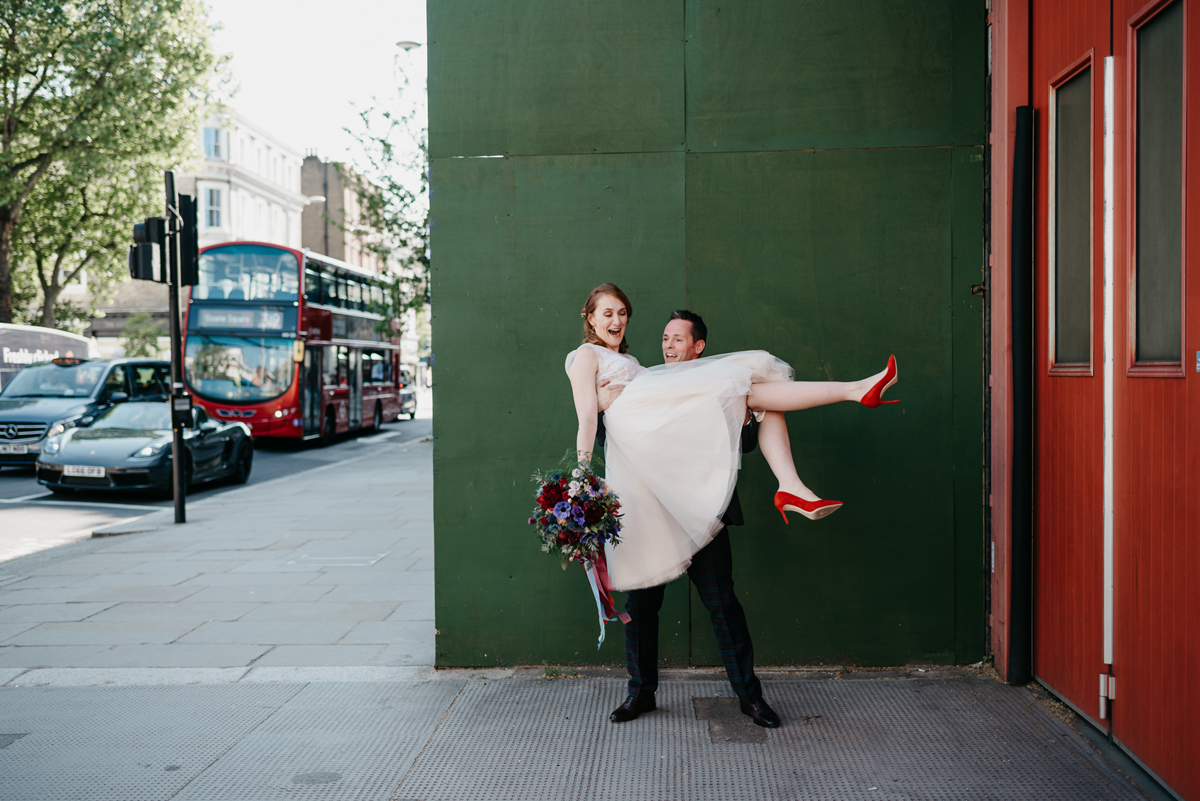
(711, 571)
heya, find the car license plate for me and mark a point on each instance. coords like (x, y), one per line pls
(83, 471)
(14, 449)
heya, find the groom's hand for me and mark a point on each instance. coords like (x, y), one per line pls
(606, 394)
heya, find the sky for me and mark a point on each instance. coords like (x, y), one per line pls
(302, 65)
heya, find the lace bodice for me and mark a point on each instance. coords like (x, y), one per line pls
(616, 368)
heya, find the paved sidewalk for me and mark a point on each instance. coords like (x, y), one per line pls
(328, 568)
(453, 738)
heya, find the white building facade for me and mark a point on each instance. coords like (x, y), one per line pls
(249, 186)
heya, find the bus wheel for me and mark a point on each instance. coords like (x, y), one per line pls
(378, 416)
(330, 430)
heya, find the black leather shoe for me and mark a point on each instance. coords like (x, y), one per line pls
(633, 707)
(762, 714)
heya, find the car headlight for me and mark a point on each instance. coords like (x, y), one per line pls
(52, 445)
(153, 449)
(62, 425)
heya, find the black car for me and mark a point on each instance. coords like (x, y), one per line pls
(128, 447)
(46, 399)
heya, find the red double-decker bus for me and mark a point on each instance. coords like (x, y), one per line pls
(292, 343)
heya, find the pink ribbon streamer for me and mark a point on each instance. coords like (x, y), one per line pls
(601, 584)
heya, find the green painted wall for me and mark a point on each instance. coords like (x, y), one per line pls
(806, 175)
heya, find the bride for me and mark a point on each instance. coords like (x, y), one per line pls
(672, 437)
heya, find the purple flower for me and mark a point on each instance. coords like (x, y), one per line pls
(578, 513)
(562, 510)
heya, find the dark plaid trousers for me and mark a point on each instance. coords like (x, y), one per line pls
(712, 573)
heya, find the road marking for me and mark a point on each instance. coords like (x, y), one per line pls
(24, 498)
(102, 504)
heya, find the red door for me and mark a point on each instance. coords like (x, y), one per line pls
(1117, 484)
(1156, 711)
(1069, 42)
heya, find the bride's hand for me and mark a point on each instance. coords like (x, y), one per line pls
(606, 394)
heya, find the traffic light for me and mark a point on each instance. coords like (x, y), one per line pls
(189, 244)
(144, 261)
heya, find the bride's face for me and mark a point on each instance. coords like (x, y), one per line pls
(608, 320)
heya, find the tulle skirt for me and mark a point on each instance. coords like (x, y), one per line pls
(672, 454)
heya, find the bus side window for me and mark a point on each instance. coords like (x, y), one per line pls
(330, 366)
(343, 366)
(312, 286)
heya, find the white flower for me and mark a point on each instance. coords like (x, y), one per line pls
(573, 488)
(576, 473)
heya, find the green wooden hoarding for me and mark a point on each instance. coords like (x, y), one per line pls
(809, 177)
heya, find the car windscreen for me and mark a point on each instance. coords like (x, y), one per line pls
(136, 416)
(55, 381)
(248, 272)
(239, 369)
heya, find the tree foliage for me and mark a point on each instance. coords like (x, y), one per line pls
(141, 334)
(390, 181)
(77, 219)
(92, 90)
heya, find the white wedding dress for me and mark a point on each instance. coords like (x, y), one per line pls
(672, 454)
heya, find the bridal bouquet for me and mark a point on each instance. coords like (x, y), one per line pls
(576, 513)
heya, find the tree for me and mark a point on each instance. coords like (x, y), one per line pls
(99, 83)
(76, 220)
(390, 181)
(141, 335)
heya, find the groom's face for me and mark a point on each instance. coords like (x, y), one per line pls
(678, 344)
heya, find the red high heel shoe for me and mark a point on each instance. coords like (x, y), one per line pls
(814, 510)
(872, 398)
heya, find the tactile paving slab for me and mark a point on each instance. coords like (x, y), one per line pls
(916, 739)
(343, 741)
(123, 743)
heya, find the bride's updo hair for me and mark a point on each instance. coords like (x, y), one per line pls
(593, 298)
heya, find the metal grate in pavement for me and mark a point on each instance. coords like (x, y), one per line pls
(350, 740)
(123, 743)
(905, 739)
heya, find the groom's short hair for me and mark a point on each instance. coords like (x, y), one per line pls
(699, 329)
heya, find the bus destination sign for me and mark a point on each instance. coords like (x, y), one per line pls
(241, 318)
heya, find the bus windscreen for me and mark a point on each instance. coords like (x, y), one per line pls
(238, 369)
(248, 272)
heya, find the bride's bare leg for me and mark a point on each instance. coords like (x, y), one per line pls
(776, 448)
(792, 396)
